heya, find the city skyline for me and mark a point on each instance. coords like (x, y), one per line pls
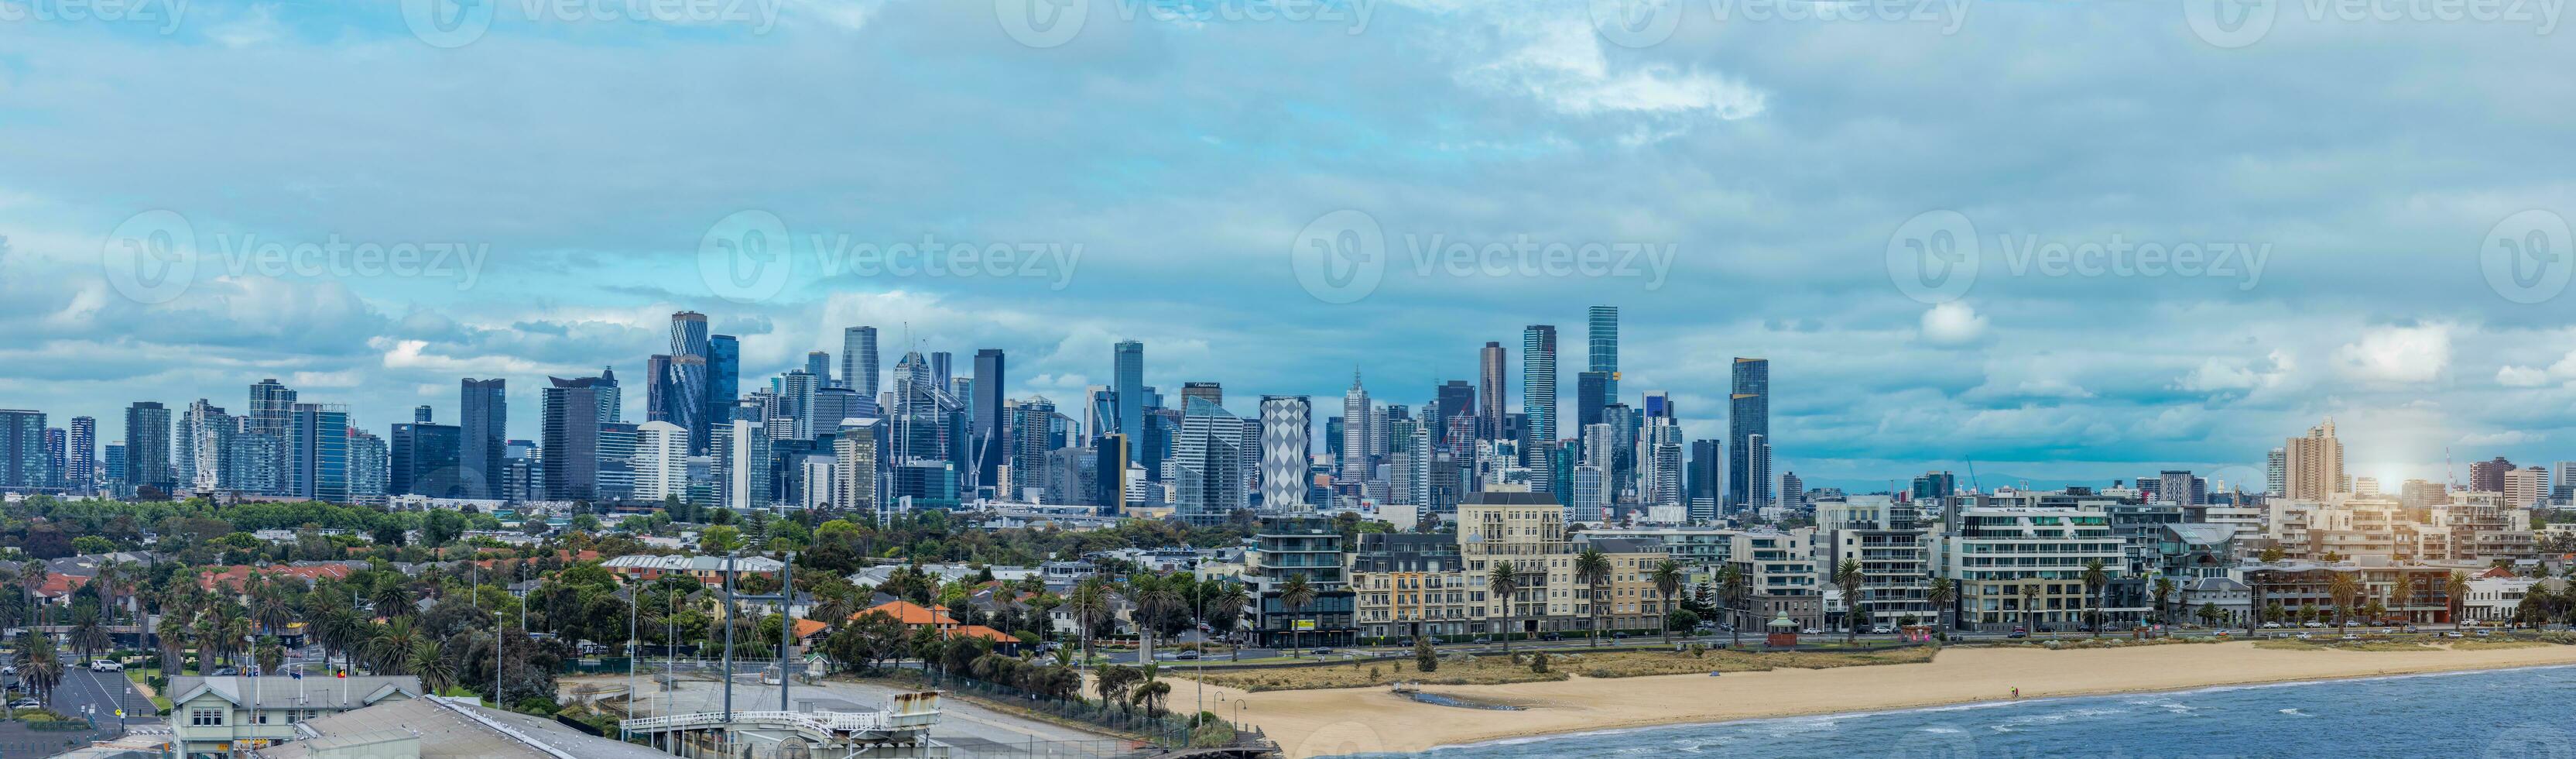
(2369, 302)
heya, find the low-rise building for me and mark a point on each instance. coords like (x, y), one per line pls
(220, 717)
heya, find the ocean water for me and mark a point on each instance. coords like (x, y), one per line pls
(2526, 713)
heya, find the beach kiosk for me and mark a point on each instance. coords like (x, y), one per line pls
(1784, 633)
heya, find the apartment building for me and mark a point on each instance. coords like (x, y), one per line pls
(1894, 547)
(1783, 573)
(2020, 566)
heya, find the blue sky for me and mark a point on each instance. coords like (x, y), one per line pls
(1778, 178)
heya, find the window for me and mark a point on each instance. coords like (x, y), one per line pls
(205, 717)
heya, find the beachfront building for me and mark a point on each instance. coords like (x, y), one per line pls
(1410, 584)
(1630, 601)
(2494, 595)
(2023, 567)
(1783, 578)
(2295, 586)
(1527, 531)
(1894, 547)
(1309, 547)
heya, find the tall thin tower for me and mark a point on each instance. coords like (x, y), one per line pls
(1604, 322)
(1538, 381)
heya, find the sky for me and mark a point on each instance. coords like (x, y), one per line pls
(2064, 241)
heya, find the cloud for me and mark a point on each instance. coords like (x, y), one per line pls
(2398, 355)
(1952, 324)
(2509, 437)
(2519, 376)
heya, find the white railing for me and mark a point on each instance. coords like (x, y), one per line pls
(827, 723)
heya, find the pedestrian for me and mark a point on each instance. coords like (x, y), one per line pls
(2016, 693)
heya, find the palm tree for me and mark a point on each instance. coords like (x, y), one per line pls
(269, 607)
(89, 634)
(1940, 596)
(1848, 577)
(2209, 614)
(1504, 584)
(431, 667)
(2455, 594)
(2029, 607)
(2344, 589)
(269, 655)
(1154, 599)
(391, 598)
(2096, 577)
(1232, 600)
(1732, 589)
(111, 584)
(32, 578)
(1294, 595)
(39, 667)
(2401, 595)
(1592, 570)
(1667, 578)
(1089, 605)
(390, 650)
(2164, 597)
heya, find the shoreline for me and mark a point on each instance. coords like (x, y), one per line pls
(1310, 724)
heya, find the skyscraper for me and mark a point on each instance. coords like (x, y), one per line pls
(58, 455)
(1748, 414)
(1287, 423)
(724, 376)
(425, 459)
(1604, 321)
(81, 460)
(855, 464)
(23, 460)
(1489, 382)
(991, 438)
(147, 448)
(483, 431)
(819, 364)
(569, 440)
(369, 467)
(2315, 463)
(1538, 381)
(270, 404)
(686, 391)
(420, 414)
(1128, 373)
(1589, 398)
(1211, 392)
(1356, 428)
(661, 461)
(1757, 457)
(1029, 424)
(1451, 400)
(1706, 479)
(2276, 473)
(317, 452)
(859, 360)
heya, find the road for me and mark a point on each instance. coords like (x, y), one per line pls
(80, 690)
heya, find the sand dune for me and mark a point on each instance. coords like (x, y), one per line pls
(1334, 723)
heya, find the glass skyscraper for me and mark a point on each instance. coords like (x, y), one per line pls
(1129, 375)
(859, 360)
(1538, 381)
(1748, 415)
(1605, 350)
(483, 431)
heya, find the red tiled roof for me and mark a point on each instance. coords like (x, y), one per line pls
(911, 613)
(234, 577)
(987, 633)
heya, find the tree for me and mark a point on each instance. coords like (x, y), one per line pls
(2096, 577)
(720, 539)
(1231, 600)
(1154, 599)
(2274, 555)
(2029, 606)
(389, 652)
(1294, 595)
(1848, 577)
(2209, 614)
(89, 634)
(1667, 579)
(1424, 655)
(1735, 590)
(430, 664)
(2164, 596)
(2343, 588)
(39, 667)
(1089, 605)
(1592, 570)
(2455, 594)
(1939, 596)
(1503, 584)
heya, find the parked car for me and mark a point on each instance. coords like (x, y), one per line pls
(1882, 630)
(1484, 641)
(1811, 631)
(103, 665)
(1323, 652)
(26, 703)
(1187, 656)
(2019, 634)
(2271, 625)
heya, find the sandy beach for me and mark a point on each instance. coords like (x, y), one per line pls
(1334, 723)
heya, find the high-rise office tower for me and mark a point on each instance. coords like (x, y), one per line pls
(724, 374)
(317, 452)
(482, 434)
(2488, 476)
(1206, 467)
(1452, 400)
(819, 364)
(1707, 478)
(1030, 437)
(1659, 405)
(1287, 424)
(859, 360)
(270, 404)
(147, 448)
(1128, 375)
(794, 415)
(57, 455)
(198, 448)
(1212, 392)
(1489, 382)
(661, 461)
(569, 439)
(420, 414)
(1748, 414)
(1356, 423)
(1604, 323)
(2315, 463)
(1793, 491)
(690, 403)
(112, 461)
(740, 450)
(1757, 460)
(81, 460)
(1590, 397)
(991, 438)
(1538, 381)
(369, 468)
(23, 460)
(855, 463)
(942, 367)
(425, 459)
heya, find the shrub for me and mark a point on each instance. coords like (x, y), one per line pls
(1538, 662)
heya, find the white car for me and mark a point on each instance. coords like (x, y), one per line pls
(103, 665)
